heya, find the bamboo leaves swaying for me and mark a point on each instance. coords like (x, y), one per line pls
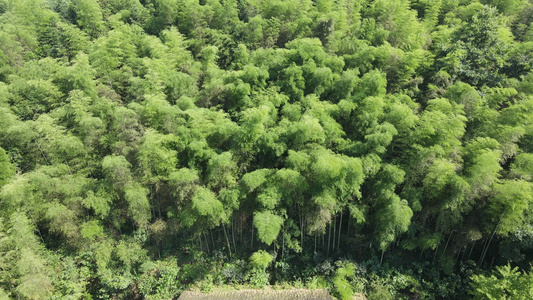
(382, 147)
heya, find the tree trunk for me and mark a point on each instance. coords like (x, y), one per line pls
(446, 247)
(334, 233)
(35, 224)
(348, 226)
(437, 249)
(252, 239)
(212, 239)
(339, 238)
(233, 236)
(471, 249)
(227, 239)
(329, 238)
(488, 244)
(206, 242)
(301, 229)
(282, 243)
(200, 240)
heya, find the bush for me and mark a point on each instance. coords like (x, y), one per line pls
(343, 289)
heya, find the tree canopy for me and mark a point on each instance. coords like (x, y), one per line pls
(152, 146)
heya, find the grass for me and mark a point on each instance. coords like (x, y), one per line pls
(252, 294)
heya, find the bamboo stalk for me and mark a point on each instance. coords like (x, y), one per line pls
(334, 232)
(446, 247)
(233, 236)
(227, 240)
(339, 238)
(329, 238)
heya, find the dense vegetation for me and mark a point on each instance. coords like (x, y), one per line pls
(375, 146)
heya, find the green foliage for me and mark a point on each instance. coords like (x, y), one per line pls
(504, 283)
(89, 16)
(260, 260)
(268, 226)
(117, 169)
(394, 219)
(480, 49)
(138, 206)
(205, 205)
(148, 147)
(6, 168)
(340, 282)
(513, 202)
(158, 279)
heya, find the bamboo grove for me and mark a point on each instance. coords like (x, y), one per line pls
(374, 146)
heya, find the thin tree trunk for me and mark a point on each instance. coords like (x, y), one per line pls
(252, 239)
(483, 250)
(240, 225)
(212, 239)
(334, 233)
(227, 239)
(301, 228)
(282, 243)
(348, 229)
(339, 238)
(200, 239)
(315, 245)
(158, 205)
(206, 242)
(446, 247)
(458, 255)
(233, 235)
(152, 208)
(437, 249)
(35, 224)
(329, 238)
(471, 249)
(42, 153)
(381, 260)
(488, 244)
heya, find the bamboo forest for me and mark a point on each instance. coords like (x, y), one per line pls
(358, 149)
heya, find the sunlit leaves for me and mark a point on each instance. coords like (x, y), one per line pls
(341, 283)
(482, 164)
(523, 166)
(117, 168)
(394, 219)
(221, 170)
(6, 168)
(89, 16)
(138, 206)
(62, 221)
(480, 49)
(206, 206)
(31, 269)
(441, 124)
(156, 156)
(260, 259)
(504, 283)
(135, 131)
(268, 226)
(512, 201)
(252, 180)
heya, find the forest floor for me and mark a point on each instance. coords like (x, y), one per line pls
(266, 293)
